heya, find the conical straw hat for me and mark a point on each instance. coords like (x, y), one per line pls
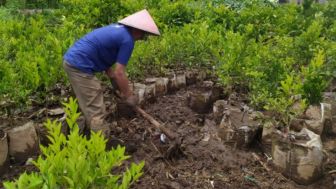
(141, 20)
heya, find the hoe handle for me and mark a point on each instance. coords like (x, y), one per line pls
(166, 131)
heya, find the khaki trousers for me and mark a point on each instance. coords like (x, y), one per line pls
(90, 97)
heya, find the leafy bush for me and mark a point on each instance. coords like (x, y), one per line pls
(76, 162)
(173, 50)
(242, 4)
(42, 3)
(307, 44)
(259, 66)
(91, 13)
(315, 79)
(176, 13)
(287, 104)
(15, 4)
(6, 14)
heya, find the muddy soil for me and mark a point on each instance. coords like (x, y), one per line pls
(207, 161)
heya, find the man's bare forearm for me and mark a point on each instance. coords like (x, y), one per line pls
(122, 82)
(120, 77)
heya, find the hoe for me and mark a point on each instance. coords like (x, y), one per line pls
(174, 150)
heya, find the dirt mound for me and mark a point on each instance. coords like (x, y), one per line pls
(208, 163)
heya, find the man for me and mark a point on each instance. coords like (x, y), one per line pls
(98, 51)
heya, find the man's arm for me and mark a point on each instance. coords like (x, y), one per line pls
(120, 77)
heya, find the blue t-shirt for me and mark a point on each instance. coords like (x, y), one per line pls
(101, 48)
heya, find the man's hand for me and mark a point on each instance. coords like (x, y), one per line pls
(120, 82)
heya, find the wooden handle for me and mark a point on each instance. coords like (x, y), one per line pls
(166, 131)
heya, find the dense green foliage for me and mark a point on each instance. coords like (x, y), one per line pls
(76, 162)
(252, 46)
